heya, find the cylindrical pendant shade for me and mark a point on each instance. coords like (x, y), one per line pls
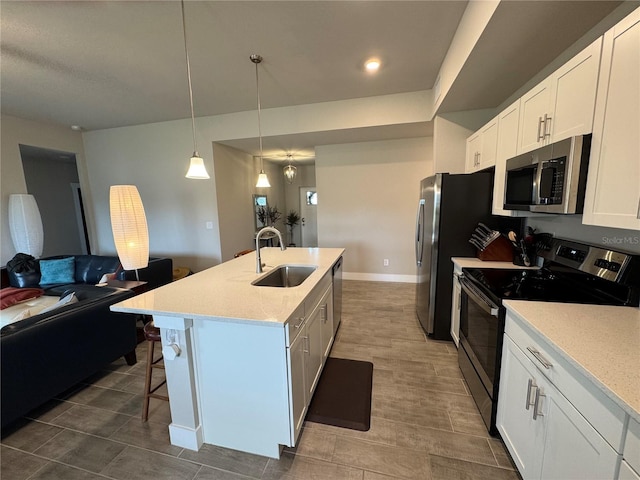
(129, 226)
(25, 225)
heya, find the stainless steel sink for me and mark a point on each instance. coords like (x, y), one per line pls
(285, 276)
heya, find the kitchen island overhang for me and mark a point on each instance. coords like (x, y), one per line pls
(231, 384)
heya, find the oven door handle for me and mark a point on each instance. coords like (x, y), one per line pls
(483, 302)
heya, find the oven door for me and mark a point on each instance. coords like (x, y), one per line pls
(481, 331)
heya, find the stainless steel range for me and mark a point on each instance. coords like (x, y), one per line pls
(572, 273)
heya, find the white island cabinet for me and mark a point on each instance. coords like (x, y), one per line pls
(249, 357)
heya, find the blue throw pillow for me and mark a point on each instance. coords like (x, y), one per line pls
(57, 271)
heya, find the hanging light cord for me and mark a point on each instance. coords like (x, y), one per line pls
(256, 59)
(186, 54)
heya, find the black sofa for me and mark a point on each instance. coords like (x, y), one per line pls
(49, 353)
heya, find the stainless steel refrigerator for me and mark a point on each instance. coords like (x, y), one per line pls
(449, 209)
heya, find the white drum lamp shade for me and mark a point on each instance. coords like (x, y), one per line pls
(25, 225)
(129, 226)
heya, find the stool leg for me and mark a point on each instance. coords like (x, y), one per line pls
(147, 381)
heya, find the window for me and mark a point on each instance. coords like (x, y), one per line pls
(312, 198)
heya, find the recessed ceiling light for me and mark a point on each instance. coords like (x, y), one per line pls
(372, 65)
(77, 128)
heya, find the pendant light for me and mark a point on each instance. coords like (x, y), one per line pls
(290, 171)
(197, 170)
(263, 181)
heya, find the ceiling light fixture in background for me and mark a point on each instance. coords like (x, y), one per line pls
(197, 170)
(263, 181)
(372, 65)
(290, 170)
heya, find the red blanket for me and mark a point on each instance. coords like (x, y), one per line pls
(12, 295)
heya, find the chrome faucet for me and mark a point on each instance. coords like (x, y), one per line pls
(259, 264)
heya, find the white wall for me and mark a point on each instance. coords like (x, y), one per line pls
(570, 227)
(50, 181)
(235, 185)
(15, 131)
(367, 200)
(155, 158)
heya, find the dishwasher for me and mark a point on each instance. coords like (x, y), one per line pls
(337, 294)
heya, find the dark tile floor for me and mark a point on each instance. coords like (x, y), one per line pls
(424, 424)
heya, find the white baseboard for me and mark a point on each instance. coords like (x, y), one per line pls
(379, 277)
(186, 437)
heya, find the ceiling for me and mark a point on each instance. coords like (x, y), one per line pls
(103, 64)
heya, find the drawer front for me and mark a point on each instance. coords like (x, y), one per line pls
(600, 410)
(316, 294)
(295, 324)
(632, 445)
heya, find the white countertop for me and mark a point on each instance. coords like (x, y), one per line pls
(224, 292)
(473, 262)
(602, 342)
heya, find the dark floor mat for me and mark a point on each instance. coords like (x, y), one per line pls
(343, 395)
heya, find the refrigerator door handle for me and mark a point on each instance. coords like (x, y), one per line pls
(419, 233)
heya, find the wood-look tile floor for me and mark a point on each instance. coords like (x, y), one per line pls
(424, 423)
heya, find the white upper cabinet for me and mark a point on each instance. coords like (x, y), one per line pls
(506, 147)
(563, 104)
(481, 148)
(613, 184)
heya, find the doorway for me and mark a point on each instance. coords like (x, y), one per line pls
(52, 178)
(309, 214)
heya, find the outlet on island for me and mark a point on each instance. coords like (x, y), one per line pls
(385, 262)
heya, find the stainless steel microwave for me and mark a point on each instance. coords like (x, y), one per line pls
(550, 179)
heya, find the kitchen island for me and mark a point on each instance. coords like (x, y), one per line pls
(242, 361)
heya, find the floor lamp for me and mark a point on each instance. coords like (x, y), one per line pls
(25, 225)
(129, 226)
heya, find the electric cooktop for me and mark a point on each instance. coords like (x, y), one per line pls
(572, 272)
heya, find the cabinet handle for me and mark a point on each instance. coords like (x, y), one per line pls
(531, 384)
(537, 404)
(545, 133)
(545, 363)
(323, 312)
(301, 319)
(306, 344)
(540, 122)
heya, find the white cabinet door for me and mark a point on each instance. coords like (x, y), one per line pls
(489, 137)
(455, 309)
(473, 152)
(572, 449)
(326, 315)
(562, 105)
(612, 197)
(573, 90)
(314, 361)
(627, 473)
(545, 434)
(298, 387)
(534, 105)
(522, 434)
(481, 147)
